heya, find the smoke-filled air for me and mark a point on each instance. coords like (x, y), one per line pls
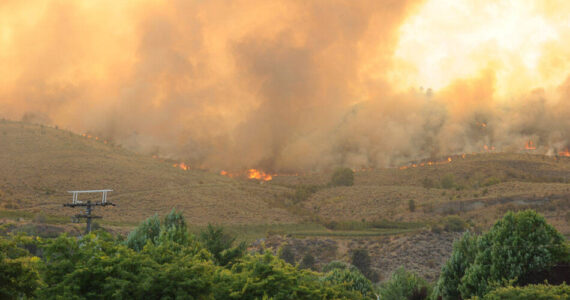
(287, 86)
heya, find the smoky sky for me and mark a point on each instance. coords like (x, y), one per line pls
(277, 85)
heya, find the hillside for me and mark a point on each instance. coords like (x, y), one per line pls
(40, 164)
(478, 187)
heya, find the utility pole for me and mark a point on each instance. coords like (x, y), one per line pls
(89, 206)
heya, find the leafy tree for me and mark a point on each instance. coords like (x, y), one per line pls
(462, 256)
(342, 177)
(361, 260)
(334, 265)
(517, 245)
(147, 231)
(97, 267)
(264, 276)
(350, 278)
(404, 285)
(220, 245)
(18, 269)
(174, 228)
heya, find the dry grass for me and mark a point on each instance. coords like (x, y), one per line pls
(38, 165)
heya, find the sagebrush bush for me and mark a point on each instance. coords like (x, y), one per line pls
(342, 177)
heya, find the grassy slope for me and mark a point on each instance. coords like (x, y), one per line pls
(38, 165)
(517, 181)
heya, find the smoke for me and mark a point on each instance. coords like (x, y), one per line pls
(291, 85)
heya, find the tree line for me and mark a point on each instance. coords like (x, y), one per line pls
(160, 259)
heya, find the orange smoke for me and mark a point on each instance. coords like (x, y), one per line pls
(291, 85)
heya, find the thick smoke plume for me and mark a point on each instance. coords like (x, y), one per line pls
(291, 85)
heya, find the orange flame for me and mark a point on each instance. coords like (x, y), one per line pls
(565, 152)
(257, 174)
(182, 166)
(530, 146)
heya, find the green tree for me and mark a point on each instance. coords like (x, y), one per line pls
(350, 278)
(462, 256)
(516, 245)
(335, 264)
(220, 245)
(264, 276)
(97, 267)
(174, 228)
(342, 177)
(18, 269)
(147, 231)
(361, 260)
(404, 285)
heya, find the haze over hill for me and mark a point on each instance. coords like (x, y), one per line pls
(292, 85)
(40, 164)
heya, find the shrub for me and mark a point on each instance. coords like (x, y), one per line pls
(404, 285)
(303, 192)
(335, 265)
(266, 277)
(448, 181)
(307, 262)
(454, 224)
(342, 177)
(428, 183)
(530, 292)
(286, 253)
(491, 181)
(351, 279)
(412, 205)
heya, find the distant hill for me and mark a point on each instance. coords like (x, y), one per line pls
(478, 187)
(39, 164)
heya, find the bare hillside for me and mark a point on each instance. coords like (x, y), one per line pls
(38, 165)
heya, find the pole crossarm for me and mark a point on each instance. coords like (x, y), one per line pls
(76, 194)
(88, 205)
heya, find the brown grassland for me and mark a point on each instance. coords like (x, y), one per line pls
(39, 164)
